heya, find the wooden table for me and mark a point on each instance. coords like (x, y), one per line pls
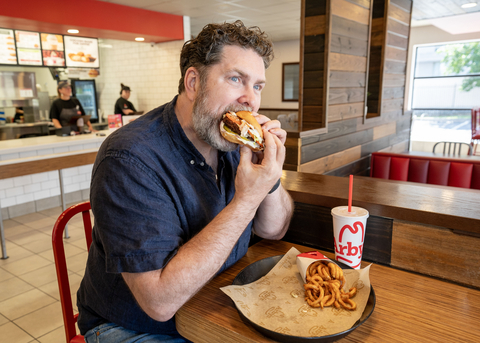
(409, 307)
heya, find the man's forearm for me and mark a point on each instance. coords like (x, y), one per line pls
(161, 293)
(274, 215)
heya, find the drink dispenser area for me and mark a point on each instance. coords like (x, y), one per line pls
(19, 90)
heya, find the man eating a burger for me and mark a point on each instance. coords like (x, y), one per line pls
(177, 193)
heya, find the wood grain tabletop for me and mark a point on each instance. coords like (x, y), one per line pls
(409, 307)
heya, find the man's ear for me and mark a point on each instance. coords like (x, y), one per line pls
(192, 83)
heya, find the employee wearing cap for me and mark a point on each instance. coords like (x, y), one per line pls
(65, 107)
(123, 106)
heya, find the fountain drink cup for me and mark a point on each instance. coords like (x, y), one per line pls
(349, 234)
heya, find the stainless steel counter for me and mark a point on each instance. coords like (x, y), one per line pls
(14, 131)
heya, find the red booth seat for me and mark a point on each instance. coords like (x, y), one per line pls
(436, 170)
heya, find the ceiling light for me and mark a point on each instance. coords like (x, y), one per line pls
(470, 4)
(139, 39)
(73, 31)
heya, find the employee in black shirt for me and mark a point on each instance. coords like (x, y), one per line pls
(65, 107)
(18, 114)
(123, 106)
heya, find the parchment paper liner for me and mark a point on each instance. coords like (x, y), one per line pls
(276, 301)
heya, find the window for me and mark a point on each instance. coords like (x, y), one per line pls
(446, 86)
(447, 77)
(290, 74)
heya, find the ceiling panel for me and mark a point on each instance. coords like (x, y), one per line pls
(279, 18)
(430, 9)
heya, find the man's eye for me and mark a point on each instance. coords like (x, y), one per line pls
(235, 79)
(258, 87)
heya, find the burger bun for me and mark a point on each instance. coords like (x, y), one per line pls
(249, 118)
(234, 138)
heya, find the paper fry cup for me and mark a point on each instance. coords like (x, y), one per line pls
(307, 258)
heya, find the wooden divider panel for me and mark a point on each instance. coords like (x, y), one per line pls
(312, 64)
(353, 54)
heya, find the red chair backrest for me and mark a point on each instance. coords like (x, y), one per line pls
(61, 264)
(476, 123)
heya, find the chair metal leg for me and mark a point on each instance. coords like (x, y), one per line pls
(62, 196)
(2, 238)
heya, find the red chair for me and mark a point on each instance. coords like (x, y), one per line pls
(69, 318)
(475, 129)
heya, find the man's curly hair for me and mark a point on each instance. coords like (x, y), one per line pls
(206, 49)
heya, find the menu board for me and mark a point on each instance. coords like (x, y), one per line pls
(19, 47)
(28, 48)
(8, 54)
(81, 52)
(53, 50)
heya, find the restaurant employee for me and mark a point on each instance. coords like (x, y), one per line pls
(65, 107)
(18, 115)
(174, 202)
(123, 106)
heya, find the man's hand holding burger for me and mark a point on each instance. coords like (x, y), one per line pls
(273, 127)
(260, 169)
(257, 174)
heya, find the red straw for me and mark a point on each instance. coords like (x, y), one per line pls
(350, 188)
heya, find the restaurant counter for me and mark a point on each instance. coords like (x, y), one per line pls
(20, 157)
(47, 145)
(429, 229)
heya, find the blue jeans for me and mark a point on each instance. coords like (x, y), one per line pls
(113, 333)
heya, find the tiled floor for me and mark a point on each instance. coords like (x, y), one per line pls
(30, 308)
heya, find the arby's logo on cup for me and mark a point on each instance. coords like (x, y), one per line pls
(345, 250)
(349, 229)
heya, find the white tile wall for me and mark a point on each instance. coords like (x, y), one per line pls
(23, 189)
(36, 178)
(152, 73)
(41, 194)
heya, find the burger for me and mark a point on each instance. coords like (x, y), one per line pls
(242, 128)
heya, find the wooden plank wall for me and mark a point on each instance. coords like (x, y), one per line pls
(395, 62)
(348, 58)
(377, 53)
(312, 99)
(346, 147)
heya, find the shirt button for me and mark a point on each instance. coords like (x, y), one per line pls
(202, 164)
(192, 162)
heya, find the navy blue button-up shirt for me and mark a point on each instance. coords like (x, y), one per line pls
(151, 192)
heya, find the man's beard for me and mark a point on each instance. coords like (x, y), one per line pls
(206, 123)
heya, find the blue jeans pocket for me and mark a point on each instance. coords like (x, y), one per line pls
(113, 333)
(92, 336)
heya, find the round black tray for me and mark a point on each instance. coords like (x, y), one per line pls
(261, 268)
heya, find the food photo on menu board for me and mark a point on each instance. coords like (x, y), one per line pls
(81, 52)
(28, 48)
(8, 54)
(53, 50)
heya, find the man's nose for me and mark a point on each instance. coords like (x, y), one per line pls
(248, 98)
